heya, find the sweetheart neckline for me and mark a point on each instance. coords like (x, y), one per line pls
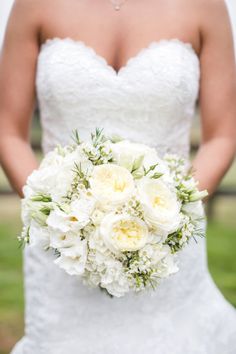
(103, 60)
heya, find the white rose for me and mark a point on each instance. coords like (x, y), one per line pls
(73, 264)
(111, 184)
(123, 232)
(136, 157)
(77, 217)
(55, 175)
(160, 205)
(51, 180)
(126, 153)
(40, 181)
(52, 158)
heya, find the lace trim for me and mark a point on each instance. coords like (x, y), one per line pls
(153, 44)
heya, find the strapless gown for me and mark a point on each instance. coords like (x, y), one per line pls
(152, 100)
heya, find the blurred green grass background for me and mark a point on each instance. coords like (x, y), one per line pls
(221, 241)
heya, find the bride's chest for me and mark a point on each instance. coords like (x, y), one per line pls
(164, 73)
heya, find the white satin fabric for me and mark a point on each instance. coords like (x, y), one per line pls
(150, 100)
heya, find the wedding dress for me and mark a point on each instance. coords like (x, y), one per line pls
(150, 100)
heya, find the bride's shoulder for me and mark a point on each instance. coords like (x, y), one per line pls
(34, 11)
(39, 7)
(205, 14)
(210, 11)
(27, 12)
(24, 6)
(214, 19)
(27, 17)
(42, 17)
(210, 16)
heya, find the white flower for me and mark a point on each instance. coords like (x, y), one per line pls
(52, 158)
(169, 266)
(60, 240)
(40, 181)
(198, 195)
(51, 180)
(77, 218)
(73, 264)
(126, 153)
(97, 244)
(194, 209)
(197, 223)
(111, 184)
(97, 216)
(160, 205)
(55, 174)
(114, 279)
(155, 252)
(78, 249)
(39, 236)
(161, 259)
(123, 232)
(79, 157)
(32, 210)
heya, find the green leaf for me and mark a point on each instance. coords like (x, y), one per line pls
(137, 163)
(76, 137)
(157, 175)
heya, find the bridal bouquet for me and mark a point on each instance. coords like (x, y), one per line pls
(113, 212)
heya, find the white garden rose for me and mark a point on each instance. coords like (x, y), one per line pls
(51, 180)
(160, 205)
(52, 158)
(135, 157)
(122, 232)
(126, 154)
(56, 173)
(40, 181)
(111, 184)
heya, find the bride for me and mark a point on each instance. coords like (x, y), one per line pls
(135, 68)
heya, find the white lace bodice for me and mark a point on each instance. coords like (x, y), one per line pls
(151, 99)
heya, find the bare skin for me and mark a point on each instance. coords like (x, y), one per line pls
(117, 36)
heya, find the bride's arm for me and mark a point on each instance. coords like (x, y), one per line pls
(217, 97)
(17, 93)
